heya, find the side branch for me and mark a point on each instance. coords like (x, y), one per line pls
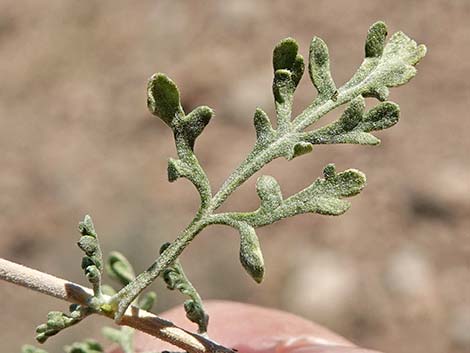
(134, 317)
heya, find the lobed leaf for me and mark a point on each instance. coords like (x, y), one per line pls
(319, 69)
(386, 65)
(286, 57)
(194, 123)
(354, 125)
(323, 196)
(175, 278)
(163, 98)
(251, 256)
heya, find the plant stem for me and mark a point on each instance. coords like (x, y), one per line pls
(127, 294)
(134, 317)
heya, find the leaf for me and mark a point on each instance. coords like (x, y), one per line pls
(383, 116)
(354, 125)
(119, 268)
(319, 69)
(177, 169)
(353, 114)
(288, 70)
(175, 278)
(58, 321)
(92, 262)
(386, 66)
(251, 256)
(147, 301)
(296, 148)
(192, 125)
(286, 57)
(325, 196)
(163, 98)
(263, 127)
(375, 40)
(86, 227)
(283, 86)
(269, 192)
(195, 313)
(284, 54)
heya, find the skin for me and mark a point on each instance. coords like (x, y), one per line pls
(253, 329)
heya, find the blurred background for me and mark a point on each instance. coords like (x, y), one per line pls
(392, 274)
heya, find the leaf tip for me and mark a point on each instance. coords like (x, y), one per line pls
(375, 40)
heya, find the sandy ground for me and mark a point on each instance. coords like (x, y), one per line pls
(75, 138)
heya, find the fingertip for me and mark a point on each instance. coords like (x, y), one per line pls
(251, 329)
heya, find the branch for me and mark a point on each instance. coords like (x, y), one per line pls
(134, 317)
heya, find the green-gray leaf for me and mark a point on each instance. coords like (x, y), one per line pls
(319, 69)
(119, 268)
(251, 256)
(375, 40)
(354, 125)
(386, 66)
(163, 98)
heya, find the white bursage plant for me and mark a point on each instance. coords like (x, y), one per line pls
(386, 64)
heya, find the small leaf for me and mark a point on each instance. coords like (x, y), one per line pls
(376, 39)
(163, 98)
(285, 54)
(302, 148)
(177, 169)
(86, 227)
(194, 123)
(353, 114)
(195, 313)
(386, 66)
(288, 68)
(298, 69)
(269, 192)
(263, 127)
(297, 149)
(251, 256)
(329, 171)
(57, 321)
(319, 69)
(119, 268)
(354, 125)
(147, 301)
(283, 86)
(324, 196)
(88, 244)
(380, 92)
(383, 116)
(175, 278)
